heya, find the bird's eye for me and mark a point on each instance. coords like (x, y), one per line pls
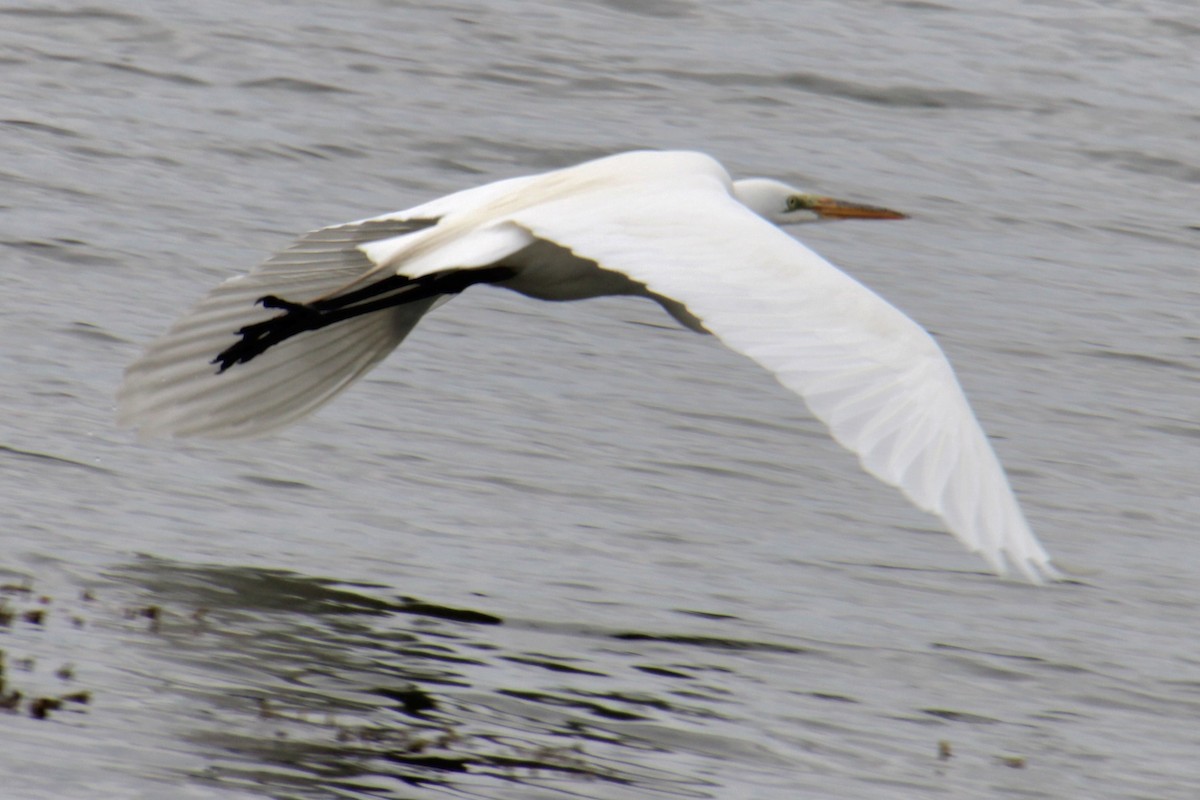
(796, 202)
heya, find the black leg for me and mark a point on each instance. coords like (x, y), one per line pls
(387, 293)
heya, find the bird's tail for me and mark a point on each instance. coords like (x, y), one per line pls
(176, 389)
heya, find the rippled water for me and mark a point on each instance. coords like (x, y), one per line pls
(544, 552)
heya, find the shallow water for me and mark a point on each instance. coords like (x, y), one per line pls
(545, 552)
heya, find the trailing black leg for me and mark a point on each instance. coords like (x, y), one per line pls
(390, 292)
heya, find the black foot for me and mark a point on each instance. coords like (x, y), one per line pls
(260, 336)
(390, 292)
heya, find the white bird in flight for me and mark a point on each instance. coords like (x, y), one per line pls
(265, 349)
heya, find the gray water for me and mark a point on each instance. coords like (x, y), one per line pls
(543, 552)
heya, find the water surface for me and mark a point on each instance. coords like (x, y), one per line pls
(572, 551)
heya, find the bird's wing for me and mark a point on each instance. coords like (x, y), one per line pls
(874, 376)
(174, 388)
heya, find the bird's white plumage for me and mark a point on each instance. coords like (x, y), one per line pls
(671, 226)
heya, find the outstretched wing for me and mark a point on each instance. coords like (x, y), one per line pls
(174, 388)
(874, 376)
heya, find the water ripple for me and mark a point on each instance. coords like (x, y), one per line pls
(816, 83)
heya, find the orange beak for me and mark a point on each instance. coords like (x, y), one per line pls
(832, 208)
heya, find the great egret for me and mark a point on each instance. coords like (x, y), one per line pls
(267, 348)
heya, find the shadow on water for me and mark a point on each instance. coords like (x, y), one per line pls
(298, 686)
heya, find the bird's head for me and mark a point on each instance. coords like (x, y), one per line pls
(787, 205)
